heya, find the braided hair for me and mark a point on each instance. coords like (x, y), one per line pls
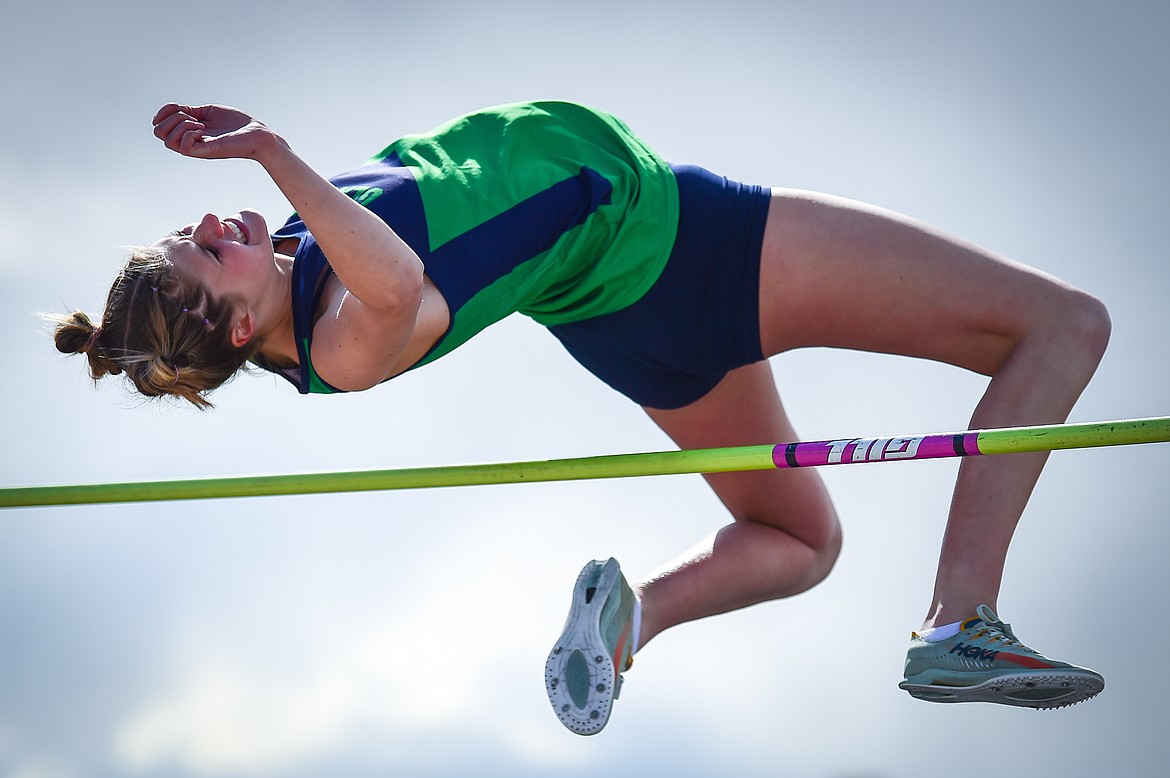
(167, 340)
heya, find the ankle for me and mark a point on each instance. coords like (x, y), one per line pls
(942, 632)
(941, 615)
(646, 626)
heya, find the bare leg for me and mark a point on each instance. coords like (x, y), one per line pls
(839, 273)
(785, 538)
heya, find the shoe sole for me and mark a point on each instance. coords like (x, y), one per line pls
(579, 675)
(1041, 691)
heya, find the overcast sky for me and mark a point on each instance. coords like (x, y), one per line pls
(405, 633)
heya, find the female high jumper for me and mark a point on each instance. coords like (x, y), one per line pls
(670, 284)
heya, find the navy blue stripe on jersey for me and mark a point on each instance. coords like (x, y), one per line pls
(460, 268)
(488, 252)
(385, 187)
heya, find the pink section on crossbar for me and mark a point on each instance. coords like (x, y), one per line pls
(857, 450)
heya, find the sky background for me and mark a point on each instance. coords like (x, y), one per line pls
(405, 633)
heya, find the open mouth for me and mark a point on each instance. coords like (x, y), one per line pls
(237, 229)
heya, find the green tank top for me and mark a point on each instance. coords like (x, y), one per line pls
(551, 209)
(584, 214)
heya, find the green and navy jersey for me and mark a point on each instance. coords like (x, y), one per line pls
(551, 209)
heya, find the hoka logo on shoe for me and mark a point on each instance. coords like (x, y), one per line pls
(974, 652)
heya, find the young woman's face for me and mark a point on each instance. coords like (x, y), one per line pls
(231, 258)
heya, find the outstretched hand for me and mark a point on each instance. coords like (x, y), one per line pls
(210, 131)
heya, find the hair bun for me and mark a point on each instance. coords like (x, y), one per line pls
(77, 334)
(74, 333)
(168, 340)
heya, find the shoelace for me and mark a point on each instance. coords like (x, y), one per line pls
(999, 631)
(992, 634)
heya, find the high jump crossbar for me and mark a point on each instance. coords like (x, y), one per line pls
(711, 460)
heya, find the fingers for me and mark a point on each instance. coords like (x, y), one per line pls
(205, 131)
(169, 109)
(178, 128)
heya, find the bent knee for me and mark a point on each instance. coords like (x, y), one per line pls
(1077, 327)
(814, 545)
(1070, 323)
(825, 554)
(1086, 322)
(821, 557)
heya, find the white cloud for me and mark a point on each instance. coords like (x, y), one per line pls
(232, 719)
(46, 768)
(452, 645)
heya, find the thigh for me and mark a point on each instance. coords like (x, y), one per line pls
(745, 409)
(835, 272)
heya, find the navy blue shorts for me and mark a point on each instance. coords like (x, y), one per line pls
(701, 318)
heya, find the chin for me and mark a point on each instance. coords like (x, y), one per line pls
(256, 226)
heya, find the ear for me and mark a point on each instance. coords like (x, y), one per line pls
(243, 328)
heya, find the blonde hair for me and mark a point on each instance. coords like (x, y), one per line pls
(167, 340)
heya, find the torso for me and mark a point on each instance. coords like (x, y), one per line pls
(434, 316)
(552, 210)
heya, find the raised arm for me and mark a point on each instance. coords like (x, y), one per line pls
(371, 323)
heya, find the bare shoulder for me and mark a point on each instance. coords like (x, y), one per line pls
(356, 347)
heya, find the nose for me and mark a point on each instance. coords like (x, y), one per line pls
(209, 227)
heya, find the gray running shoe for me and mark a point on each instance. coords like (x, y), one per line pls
(583, 672)
(986, 662)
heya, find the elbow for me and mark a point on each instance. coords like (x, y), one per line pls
(400, 290)
(410, 289)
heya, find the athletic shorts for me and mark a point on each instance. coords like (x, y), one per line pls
(701, 318)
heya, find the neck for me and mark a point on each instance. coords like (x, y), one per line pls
(278, 344)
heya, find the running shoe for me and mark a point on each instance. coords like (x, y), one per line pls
(583, 671)
(986, 662)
